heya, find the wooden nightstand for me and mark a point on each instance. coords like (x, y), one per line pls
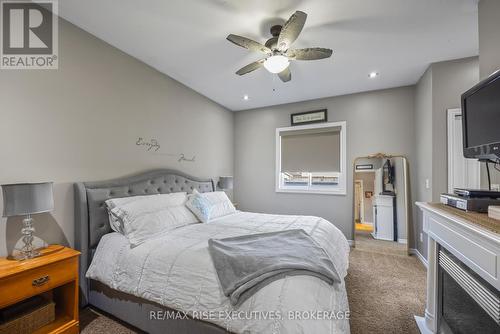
(55, 275)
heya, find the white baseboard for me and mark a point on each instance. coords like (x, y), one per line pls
(422, 259)
(403, 241)
(421, 325)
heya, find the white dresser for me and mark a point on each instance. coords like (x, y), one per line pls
(383, 216)
(468, 253)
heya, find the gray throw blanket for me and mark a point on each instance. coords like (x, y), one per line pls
(247, 263)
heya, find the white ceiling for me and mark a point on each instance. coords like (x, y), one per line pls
(185, 39)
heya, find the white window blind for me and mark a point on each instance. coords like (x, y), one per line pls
(311, 150)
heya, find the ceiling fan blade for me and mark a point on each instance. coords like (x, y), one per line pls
(291, 30)
(285, 75)
(249, 44)
(309, 53)
(251, 67)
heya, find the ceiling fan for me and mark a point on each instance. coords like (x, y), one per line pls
(277, 48)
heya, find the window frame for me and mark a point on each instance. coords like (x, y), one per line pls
(341, 188)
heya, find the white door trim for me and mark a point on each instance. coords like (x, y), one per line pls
(452, 114)
(362, 201)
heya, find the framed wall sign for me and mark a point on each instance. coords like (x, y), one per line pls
(309, 117)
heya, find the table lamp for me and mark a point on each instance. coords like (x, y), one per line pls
(225, 182)
(25, 199)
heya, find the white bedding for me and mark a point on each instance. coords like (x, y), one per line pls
(175, 270)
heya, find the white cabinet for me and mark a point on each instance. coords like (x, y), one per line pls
(383, 214)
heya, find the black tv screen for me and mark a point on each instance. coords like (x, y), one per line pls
(481, 119)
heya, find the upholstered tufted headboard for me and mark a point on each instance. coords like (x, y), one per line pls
(91, 216)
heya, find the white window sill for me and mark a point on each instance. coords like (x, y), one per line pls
(338, 192)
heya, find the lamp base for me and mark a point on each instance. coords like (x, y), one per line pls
(22, 255)
(27, 252)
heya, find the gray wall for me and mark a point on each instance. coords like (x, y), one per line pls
(379, 121)
(81, 123)
(438, 90)
(489, 29)
(423, 149)
(423, 135)
(449, 80)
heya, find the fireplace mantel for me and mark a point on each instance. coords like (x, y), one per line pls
(476, 246)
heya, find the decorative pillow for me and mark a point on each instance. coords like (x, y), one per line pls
(112, 203)
(146, 203)
(141, 225)
(211, 205)
(200, 207)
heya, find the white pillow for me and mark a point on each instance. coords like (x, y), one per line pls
(112, 203)
(143, 203)
(139, 226)
(211, 205)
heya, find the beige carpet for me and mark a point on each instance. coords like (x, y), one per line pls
(366, 243)
(91, 322)
(386, 288)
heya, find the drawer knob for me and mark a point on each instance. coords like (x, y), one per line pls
(40, 281)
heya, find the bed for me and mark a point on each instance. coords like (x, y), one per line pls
(144, 285)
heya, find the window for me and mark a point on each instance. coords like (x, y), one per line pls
(311, 159)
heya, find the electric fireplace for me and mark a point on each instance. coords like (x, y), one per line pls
(466, 302)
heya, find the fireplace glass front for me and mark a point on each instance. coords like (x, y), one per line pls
(467, 303)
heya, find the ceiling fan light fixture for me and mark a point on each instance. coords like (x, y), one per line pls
(277, 49)
(276, 64)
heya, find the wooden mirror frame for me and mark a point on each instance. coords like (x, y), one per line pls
(408, 204)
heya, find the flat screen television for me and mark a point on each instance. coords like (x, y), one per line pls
(481, 119)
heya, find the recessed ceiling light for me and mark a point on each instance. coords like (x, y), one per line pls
(245, 97)
(373, 75)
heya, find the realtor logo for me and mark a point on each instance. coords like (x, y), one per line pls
(29, 34)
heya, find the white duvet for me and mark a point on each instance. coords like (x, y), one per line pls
(175, 270)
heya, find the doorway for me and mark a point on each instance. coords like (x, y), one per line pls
(359, 205)
(364, 183)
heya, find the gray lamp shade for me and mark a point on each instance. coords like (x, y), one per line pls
(27, 198)
(226, 182)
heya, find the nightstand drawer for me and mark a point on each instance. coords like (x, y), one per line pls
(35, 281)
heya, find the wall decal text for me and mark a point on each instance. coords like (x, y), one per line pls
(149, 145)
